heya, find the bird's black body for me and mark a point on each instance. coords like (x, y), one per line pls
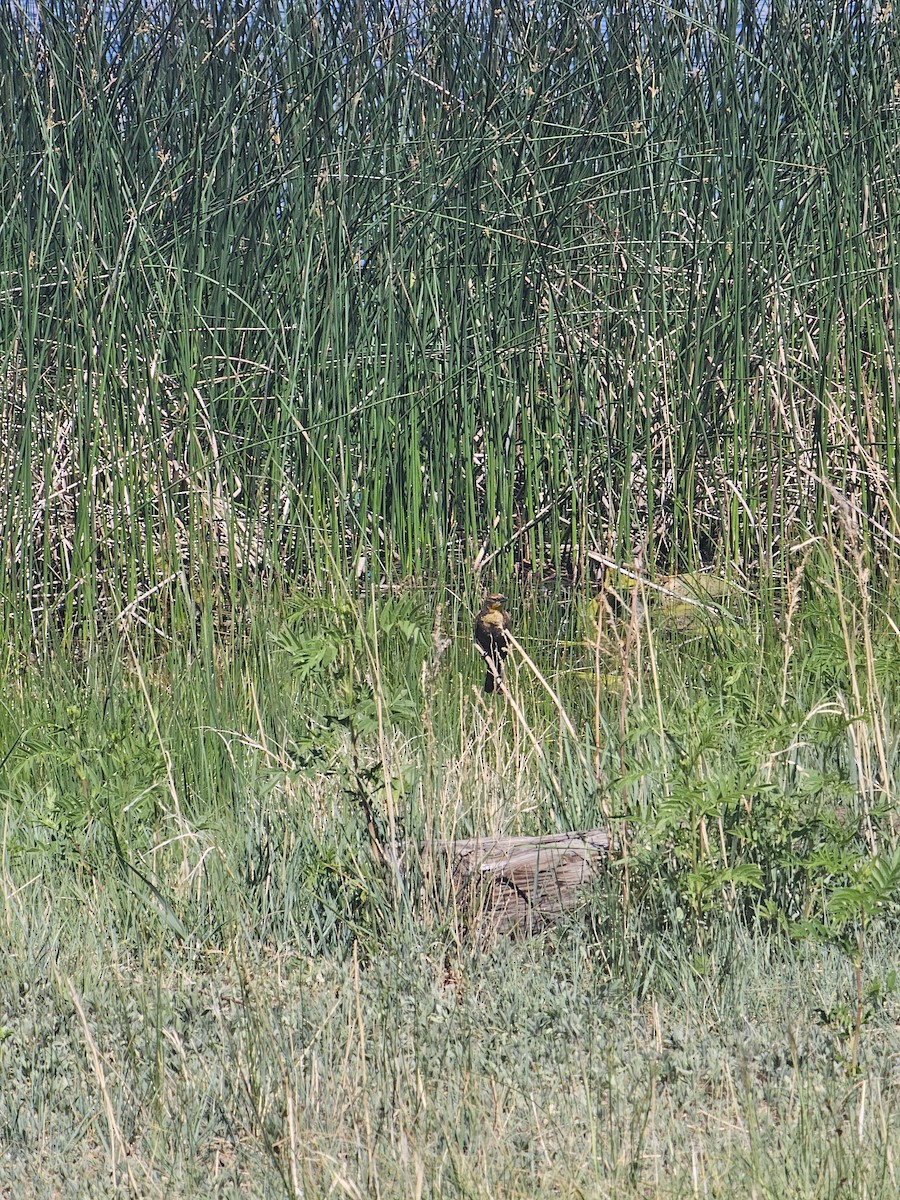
(491, 627)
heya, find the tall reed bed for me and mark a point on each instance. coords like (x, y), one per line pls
(295, 289)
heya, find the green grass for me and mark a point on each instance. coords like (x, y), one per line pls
(261, 1071)
(211, 982)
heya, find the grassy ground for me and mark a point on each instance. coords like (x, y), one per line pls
(210, 988)
(258, 1070)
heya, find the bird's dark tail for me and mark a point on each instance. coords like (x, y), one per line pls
(492, 678)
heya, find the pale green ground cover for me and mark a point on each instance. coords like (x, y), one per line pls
(258, 1071)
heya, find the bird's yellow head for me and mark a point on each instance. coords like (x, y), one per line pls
(494, 603)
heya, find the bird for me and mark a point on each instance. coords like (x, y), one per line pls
(491, 626)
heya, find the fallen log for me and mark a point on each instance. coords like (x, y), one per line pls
(518, 885)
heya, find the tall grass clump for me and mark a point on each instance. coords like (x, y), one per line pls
(296, 289)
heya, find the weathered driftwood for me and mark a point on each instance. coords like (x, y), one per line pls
(519, 885)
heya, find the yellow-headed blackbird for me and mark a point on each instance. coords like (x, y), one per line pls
(491, 625)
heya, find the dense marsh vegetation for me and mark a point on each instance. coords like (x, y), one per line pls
(317, 320)
(313, 284)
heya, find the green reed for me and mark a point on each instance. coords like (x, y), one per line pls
(291, 290)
